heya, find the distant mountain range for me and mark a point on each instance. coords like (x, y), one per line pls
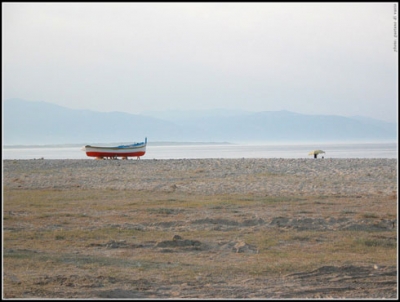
(39, 123)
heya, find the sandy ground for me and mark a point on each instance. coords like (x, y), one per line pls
(212, 222)
(274, 177)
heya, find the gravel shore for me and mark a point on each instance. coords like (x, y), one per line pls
(350, 177)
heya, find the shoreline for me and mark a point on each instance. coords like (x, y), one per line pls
(212, 151)
(259, 176)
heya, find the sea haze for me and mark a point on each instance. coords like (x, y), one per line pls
(41, 123)
(216, 150)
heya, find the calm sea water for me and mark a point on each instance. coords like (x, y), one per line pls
(186, 151)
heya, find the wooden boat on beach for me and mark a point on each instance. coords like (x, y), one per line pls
(124, 151)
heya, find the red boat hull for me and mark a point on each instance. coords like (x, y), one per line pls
(115, 154)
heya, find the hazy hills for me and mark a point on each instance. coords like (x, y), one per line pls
(26, 122)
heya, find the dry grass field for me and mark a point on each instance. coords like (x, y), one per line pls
(132, 244)
(142, 244)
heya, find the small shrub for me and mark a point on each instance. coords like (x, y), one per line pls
(348, 212)
(164, 211)
(370, 215)
(385, 243)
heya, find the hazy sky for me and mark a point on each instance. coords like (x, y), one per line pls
(326, 58)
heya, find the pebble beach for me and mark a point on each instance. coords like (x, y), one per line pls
(275, 177)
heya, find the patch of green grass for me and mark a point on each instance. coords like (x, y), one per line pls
(281, 199)
(164, 211)
(370, 215)
(376, 242)
(346, 212)
(325, 203)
